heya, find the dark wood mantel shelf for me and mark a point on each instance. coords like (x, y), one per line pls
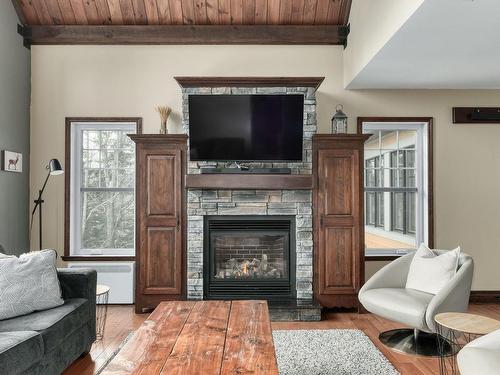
(250, 181)
(249, 81)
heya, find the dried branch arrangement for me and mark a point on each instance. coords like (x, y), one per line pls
(164, 112)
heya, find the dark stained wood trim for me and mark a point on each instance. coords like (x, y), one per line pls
(185, 34)
(345, 11)
(463, 115)
(484, 296)
(249, 81)
(249, 181)
(97, 258)
(381, 258)
(67, 172)
(430, 159)
(159, 138)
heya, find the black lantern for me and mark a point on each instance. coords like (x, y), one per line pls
(339, 121)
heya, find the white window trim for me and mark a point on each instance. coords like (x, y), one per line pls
(75, 183)
(422, 180)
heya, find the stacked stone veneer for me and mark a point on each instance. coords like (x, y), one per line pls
(253, 202)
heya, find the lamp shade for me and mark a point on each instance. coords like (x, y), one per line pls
(55, 167)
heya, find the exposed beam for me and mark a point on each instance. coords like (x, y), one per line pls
(186, 34)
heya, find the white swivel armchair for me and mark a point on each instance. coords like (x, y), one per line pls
(481, 356)
(385, 295)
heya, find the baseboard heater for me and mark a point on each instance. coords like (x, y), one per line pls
(119, 276)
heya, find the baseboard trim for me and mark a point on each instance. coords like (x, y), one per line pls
(484, 296)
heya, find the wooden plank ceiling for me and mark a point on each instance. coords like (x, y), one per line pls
(55, 19)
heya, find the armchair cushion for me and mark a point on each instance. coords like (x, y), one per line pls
(429, 272)
(405, 306)
(481, 356)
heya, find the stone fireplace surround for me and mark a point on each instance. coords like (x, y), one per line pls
(201, 202)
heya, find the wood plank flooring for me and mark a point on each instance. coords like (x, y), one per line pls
(122, 320)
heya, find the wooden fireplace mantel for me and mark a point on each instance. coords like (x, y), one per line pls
(249, 181)
(186, 82)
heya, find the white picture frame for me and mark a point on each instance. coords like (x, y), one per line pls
(12, 161)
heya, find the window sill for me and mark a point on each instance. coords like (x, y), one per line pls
(98, 258)
(381, 258)
(380, 255)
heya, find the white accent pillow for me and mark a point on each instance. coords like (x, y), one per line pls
(430, 272)
(28, 283)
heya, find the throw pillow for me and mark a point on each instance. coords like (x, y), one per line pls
(430, 272)
(28, 283)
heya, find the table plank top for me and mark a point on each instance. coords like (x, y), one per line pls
(467, 323)
(204, 337)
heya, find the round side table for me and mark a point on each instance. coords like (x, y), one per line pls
(102, 295)
(457, 330)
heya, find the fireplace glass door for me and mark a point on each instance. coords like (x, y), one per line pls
(259, 255)
(249, 257)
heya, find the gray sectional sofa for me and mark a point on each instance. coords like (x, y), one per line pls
(47, 342)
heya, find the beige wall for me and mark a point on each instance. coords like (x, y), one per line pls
(132, 80)
(373, 23)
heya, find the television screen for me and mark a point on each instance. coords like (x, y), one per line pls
(246, 127)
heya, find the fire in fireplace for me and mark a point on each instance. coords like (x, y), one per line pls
(249, 257)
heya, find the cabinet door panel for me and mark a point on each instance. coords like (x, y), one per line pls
(162, 261)
(162, 192)
(338, 260)
(337, 181)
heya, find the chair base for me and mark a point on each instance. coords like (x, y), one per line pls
(414, 342)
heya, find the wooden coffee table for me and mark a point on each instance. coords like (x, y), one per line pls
(204, 337)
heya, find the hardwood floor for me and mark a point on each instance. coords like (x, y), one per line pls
(122, 320)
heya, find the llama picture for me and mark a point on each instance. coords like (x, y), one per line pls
(12, 161)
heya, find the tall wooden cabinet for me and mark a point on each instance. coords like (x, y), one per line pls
(338, 219)
(160, 219)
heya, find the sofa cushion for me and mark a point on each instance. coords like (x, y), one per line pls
(406, 306)
(54, 325)
(19, 351)
(28, 283)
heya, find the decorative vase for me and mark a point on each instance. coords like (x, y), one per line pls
(163, 128)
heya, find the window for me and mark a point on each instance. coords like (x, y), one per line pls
(375, 200)
(397, 180)
(102, 194)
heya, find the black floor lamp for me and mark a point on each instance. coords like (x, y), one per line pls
(55, 168)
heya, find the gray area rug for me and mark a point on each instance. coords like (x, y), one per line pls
(328, 352)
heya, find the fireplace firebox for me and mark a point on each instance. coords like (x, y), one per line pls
(249, 257)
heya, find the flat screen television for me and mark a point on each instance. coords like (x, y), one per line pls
(246, 127)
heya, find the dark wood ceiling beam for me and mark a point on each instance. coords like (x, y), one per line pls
(345, 10)
(185, 34)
